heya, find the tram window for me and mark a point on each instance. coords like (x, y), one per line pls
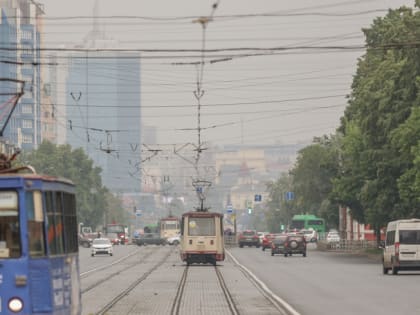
(170, 225)
(201, 226)
(182, 226)
(55, 227)
(58, 220)
(50, 222)
(70, 223)
(35, 218)
(10, 242)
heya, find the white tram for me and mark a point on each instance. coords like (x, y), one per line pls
(202, 237)
(169, 227)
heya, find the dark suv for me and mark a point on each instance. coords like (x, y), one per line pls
(250, 238)
(288, 245)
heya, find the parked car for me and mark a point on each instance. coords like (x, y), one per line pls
(333, 237)
(113, 237)
(249, 238)
(101, 246)
(150, 239)
(174, 240)
(310, 235)
(289, 245)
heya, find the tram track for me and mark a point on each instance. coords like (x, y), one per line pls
(85, 274)
(279, 304)
(104, 309)
(226, 292)
(114, 274)
(176, 306)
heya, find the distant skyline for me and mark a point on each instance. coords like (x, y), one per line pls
(284, 96)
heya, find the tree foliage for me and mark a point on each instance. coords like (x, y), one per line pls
(316, 166)
(372, 164)
(279, 211)
(93, 199)
(378, 170)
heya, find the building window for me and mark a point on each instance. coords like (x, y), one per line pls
(26, 123)
(27, 139)
(26, 52)
(26, 35)
(27, 108)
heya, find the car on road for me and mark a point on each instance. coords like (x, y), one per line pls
(277, 245)
(113, 237)
(266, 241)
(101, 246)
(333, 237)
(174, 240)
(249, 238)
(310, 235)
(150, 239)
(261, 235)
(288, 245)
(401, 249)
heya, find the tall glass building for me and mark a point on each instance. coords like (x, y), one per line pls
(103, 114)
(20, 60)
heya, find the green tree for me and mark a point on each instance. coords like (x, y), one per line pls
(75, 165)
(279, 210)
(315, 168)
(373, 172)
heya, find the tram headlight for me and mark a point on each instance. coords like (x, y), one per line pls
(15, 305)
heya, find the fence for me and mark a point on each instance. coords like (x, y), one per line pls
(231, 240)
(347, 245)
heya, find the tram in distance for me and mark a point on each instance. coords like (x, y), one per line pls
(39, 264)
(169, 227)
(202, 237)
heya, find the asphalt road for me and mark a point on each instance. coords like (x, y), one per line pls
(326, 283)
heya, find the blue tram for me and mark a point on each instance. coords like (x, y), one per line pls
(39, 266)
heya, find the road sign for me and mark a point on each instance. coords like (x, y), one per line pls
(290, 195)
(257, 198)
(229, 208)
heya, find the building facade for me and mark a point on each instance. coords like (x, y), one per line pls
(20, 43)
(103, 114)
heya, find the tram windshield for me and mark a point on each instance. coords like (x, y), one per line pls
(9, 225)
(170, 225)
(201, 227)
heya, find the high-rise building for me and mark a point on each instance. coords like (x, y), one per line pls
(20, 54)
(103, 109)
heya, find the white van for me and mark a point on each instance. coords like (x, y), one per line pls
(401, 250)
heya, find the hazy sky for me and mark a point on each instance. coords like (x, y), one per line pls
(284, 97)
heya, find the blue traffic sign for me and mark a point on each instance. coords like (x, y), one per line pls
(229, 208)
(290, 195)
